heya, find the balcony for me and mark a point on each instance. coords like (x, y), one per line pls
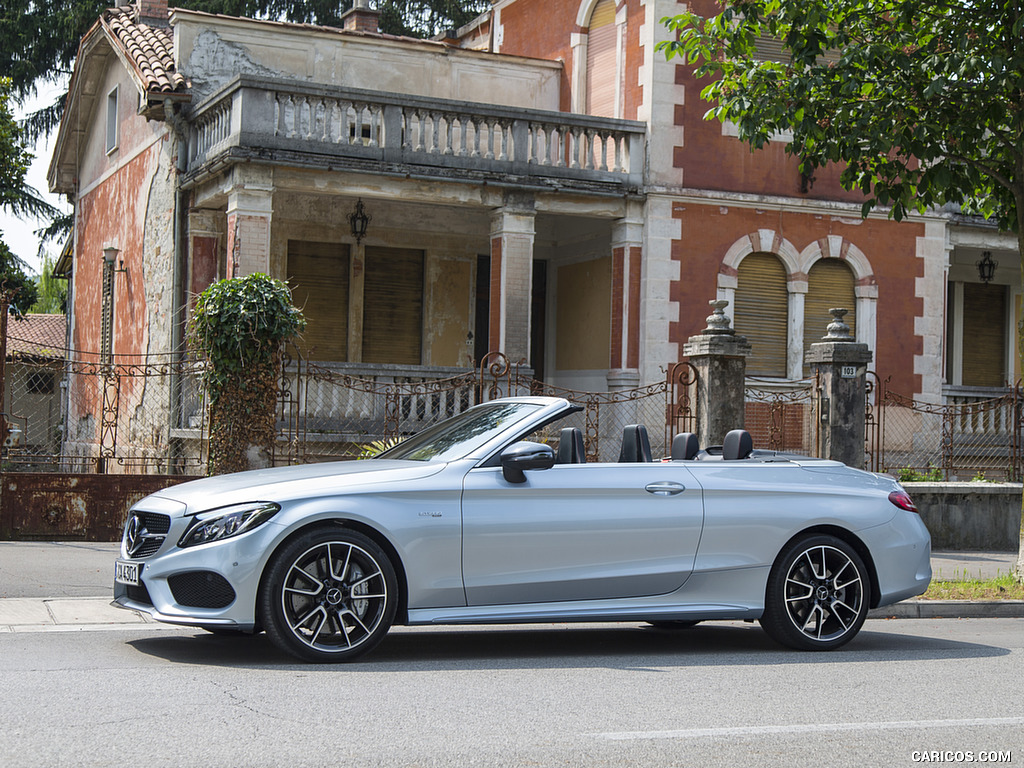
(298, 124)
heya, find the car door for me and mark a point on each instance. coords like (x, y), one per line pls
(579, 532)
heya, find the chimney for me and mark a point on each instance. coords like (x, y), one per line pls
(153, 13)
(361, 17)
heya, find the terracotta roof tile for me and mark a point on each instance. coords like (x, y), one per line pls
(36, 336)
(149, 48)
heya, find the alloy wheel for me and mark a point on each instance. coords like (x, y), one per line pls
(824, 593)
(334, 596)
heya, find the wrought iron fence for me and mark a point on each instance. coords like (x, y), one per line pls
(783, 419)
(70, 411)
(65, 412)
(340, 410)
(969, 438)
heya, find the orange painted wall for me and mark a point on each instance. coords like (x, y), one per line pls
(543, 29)
(709, 231)
(712, 161)
(113, 213)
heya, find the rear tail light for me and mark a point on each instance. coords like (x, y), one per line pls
(902, 500)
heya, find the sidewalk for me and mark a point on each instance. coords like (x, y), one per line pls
(66, 586)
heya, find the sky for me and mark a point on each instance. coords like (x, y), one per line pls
(19, 234)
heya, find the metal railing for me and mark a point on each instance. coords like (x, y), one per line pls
(973, 435)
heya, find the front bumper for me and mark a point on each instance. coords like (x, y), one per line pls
(189, 621)
(236, 564)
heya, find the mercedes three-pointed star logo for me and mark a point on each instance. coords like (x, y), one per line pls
(134, 534)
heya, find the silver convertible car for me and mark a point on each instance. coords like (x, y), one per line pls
(476, 521)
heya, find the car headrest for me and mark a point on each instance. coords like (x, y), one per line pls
(636, 445)
(684, 446)
(737, 445)
(570, 447)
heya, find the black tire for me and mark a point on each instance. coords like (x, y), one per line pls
(329, 595)
(674, 625)
(817, 595)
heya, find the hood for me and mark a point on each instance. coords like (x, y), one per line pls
(284, 483)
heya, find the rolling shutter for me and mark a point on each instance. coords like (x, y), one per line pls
(601, 78)
(318, 276)
(762, 313)
(830, 284)
(393, 306)
(984, 335)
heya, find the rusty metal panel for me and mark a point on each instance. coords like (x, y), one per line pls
(55, 506)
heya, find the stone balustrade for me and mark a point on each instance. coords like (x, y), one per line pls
(325, 126)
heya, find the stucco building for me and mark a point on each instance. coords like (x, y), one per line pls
(541, 182)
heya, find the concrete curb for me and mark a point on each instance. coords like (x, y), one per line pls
(40, 614)
(951, 609)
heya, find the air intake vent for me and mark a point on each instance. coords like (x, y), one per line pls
(201, 589)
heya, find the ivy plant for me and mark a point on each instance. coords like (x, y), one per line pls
(238, 326)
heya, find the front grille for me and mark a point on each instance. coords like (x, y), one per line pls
(201, 589)
(151, 530)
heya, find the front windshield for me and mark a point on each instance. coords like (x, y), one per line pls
(460, 435)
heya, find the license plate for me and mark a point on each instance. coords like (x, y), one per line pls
(126, 572)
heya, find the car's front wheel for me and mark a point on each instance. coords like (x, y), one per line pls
(817, 594)
(330, 595)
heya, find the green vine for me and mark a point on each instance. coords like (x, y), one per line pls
(238, 326)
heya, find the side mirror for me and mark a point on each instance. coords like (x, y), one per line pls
(524, 455)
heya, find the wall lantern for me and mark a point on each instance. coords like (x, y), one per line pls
(986, 267)
(359, 221)
(110, 258)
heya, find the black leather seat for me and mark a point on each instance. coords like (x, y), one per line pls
(570, 447)
(737, 445)
(684, 446)
(636, 445)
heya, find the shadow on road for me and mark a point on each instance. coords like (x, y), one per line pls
(620, 646)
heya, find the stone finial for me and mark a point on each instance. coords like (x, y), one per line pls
(837, 329)
(718, 322)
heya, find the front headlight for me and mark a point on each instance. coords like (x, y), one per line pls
(226, 522)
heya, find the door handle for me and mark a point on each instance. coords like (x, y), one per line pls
(665, 488)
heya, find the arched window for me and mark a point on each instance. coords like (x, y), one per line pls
(602, 68)
(830, 283)
(762, 313)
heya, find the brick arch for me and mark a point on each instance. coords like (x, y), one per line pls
(761, 241)
(585, 11)
(836, 247)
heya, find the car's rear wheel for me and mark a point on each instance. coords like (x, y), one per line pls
(817, 594)
(330, 595)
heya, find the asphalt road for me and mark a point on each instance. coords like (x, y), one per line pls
(589, 695)
(57, 568)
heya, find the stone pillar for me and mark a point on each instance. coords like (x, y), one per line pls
(250, 209)
(840, 366)
(720, 357)
(624, 355)
(512, 233)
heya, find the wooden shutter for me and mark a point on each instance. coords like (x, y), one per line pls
(762, 313)
(393, 306)
(830, 284)
(984, 335)
(318, 276)
(601, 69)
